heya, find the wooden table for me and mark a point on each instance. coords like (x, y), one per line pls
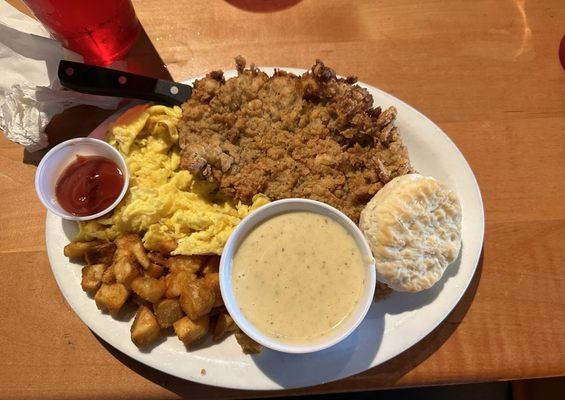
(486, 71)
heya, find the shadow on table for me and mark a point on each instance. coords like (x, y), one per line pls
(79, 121)
(263, 6)
(382, 376)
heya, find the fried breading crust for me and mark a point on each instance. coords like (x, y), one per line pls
(313, 136)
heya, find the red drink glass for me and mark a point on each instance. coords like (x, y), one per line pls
(100, 30)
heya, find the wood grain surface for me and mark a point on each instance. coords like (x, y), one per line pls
(486, 71)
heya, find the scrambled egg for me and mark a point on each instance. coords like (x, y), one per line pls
(165, 203)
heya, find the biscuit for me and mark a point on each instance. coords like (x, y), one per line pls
(413, 225)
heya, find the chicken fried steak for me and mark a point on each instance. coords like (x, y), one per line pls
(314, 136)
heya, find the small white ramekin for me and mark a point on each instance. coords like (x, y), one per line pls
(269, 211)
(59, 157)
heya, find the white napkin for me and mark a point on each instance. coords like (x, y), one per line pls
(30, 93)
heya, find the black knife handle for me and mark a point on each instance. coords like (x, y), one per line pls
(101, 81)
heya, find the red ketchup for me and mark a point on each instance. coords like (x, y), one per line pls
(89, 185)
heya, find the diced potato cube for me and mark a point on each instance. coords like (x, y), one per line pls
(145, 329)
(165, 246)
(77, 249)
(148, 288)
(197, 299)
(190, 264)
(224, 324)
(212, 280)
(189, 331)
(157, 258)
(248, 345)
(126, 240)
(132, 245)
(111, 297)
(176, 281)
(212, 265)
(155, 270)
(92, 277)
(139, 253)
(100, 254)
(109, 276)
(168, 312)
(125, 270)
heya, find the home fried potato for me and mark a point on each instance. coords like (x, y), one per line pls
(182, 292)
(145, 329)
(177, 281)
(167, 311)
(148, 288)
(125, 269)
(224, 325)
(212, 280)
(134, 244)
(189, 331)
(165, 246)
(155, 270)
(197, 299)
(92, 277)
(157, 258)
(190, 264)
(100, 254)
(111, 297)
(76, 250)
(248, 345)
(109, 275)
(212, 265)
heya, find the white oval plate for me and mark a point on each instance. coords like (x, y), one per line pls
(391, 326)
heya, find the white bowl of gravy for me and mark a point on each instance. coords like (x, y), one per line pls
(297, 276)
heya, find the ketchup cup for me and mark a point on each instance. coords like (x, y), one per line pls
(54, 163)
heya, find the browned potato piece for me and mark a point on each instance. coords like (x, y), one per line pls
(168, 312)
(189, 331)
(154, 270)
(77, 249)
(197, 299)
(166, 246)
(248, 345)
(157, 258)
(224, 325)
(176, 281)
(212, 280)
(109, 276)
(145, 329)
(92, 277)
(189, 264)
(111, 297)
(132, 244)
(212, 265)
(139, 253)
(125, 270)
(100, 254)
(126, 240)
(149, 289)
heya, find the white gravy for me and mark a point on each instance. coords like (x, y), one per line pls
(298, 276)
